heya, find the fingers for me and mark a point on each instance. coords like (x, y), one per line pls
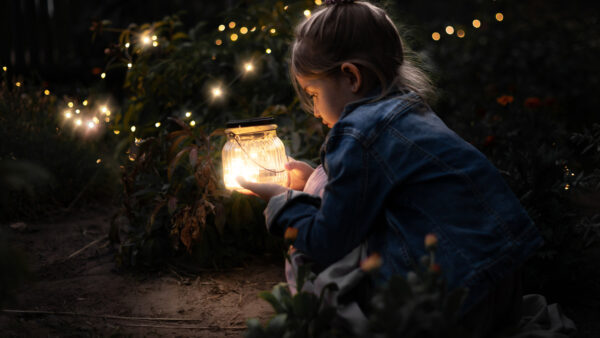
(298, 165)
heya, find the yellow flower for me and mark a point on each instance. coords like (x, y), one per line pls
(431, 241)
(371, 263)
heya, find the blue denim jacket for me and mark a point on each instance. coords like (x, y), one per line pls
(396, 172)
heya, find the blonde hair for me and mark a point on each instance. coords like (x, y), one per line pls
(360, 33)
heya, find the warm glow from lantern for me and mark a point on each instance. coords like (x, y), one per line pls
(254, 153)
(68, 114)
(248, 67)
(146, 40)
(217, 92)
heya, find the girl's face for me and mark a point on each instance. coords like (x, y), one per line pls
(330, 95)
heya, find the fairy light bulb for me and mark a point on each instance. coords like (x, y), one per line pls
(46, 92)
(133, 128)
(96, 120)
(499, 16)
(218, 42)
(155, 43)
(157, 124)
(116, 131)
(217, 92)
(78, 122)
(307, 13)
(244, 30)
(192, 123)
(460, 33)
(233, 37)
(248, 67)
(449, 30)
(129, 65)
(127, 45)
(273, 31)
(268, 51)
(436, 36)
(85, 103)
(4, 68)
(146, 40)
(154, 37)
(232, 24)
(91, 124)
(103, 75)
(318, 2)
(68, 114)
(476, 23)
(188, 114)
(70, 104)
(221, 28)
(18, 84)
(77, 111)
(103, 109)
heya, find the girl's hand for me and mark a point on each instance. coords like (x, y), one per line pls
(262, 190)
(298, 174)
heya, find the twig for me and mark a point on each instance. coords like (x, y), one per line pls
(75, 314)
(87, 246)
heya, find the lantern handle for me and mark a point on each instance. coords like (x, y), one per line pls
(235, 137)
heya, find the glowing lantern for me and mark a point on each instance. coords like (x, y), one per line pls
(254, 152)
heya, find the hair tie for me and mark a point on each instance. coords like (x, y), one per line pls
(337, 2)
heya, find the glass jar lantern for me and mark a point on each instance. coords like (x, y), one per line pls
(254, 152)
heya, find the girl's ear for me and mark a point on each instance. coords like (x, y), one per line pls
(352, 73)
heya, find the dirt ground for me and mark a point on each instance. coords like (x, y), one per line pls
(85, 295)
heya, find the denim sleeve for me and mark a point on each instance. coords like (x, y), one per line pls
(352, 199)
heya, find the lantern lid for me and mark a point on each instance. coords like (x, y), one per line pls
(258, 121)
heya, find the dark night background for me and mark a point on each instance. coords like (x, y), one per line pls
(524, 90)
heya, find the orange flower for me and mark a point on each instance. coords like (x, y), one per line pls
(290, 234)
(489, 140)
(505, 99)
(371, 263)
(431, 241)
(435, 268)
(532, 102)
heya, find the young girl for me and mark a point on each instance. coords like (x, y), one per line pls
(395, 172)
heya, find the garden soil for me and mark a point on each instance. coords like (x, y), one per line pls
(74, 292)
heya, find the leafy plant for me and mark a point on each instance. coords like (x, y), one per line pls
(416, 306)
